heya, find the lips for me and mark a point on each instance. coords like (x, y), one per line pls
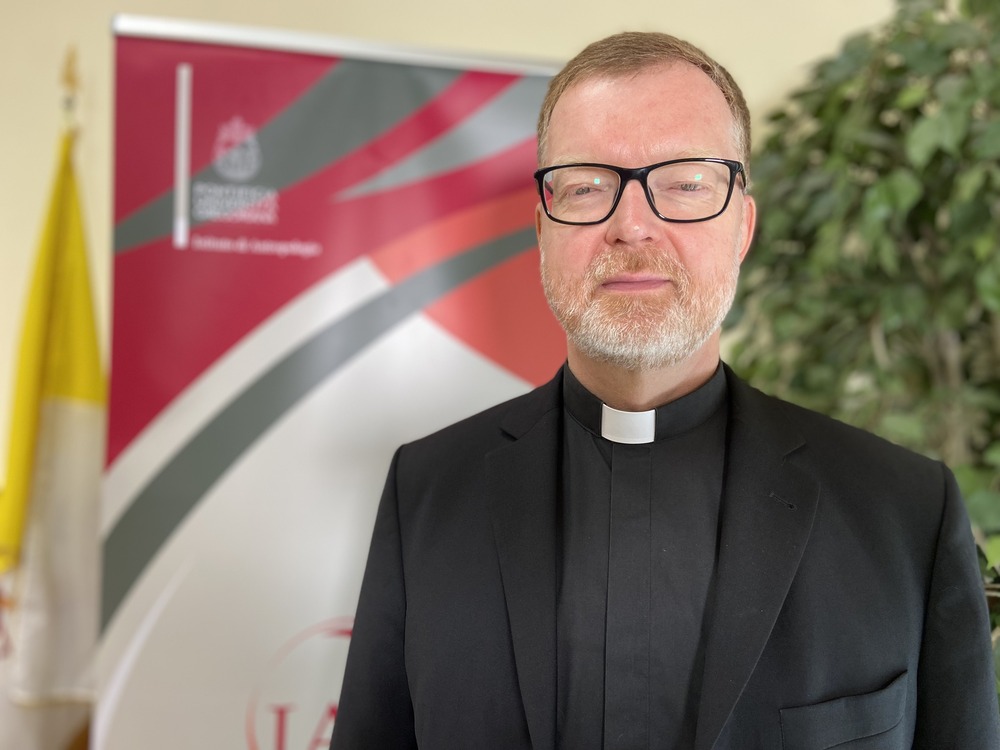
(634, 283)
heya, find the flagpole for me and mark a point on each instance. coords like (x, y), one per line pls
(71, 87)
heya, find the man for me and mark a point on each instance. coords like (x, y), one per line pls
(646, 552)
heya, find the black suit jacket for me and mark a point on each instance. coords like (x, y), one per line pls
(848, 608)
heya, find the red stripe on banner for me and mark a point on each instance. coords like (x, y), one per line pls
(503, 313)
(462, 98)
(279, 79)
(456, 233)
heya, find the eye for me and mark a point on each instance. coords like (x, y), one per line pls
(597, 185)
(583, 186)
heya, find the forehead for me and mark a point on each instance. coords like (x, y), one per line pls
(669, 111)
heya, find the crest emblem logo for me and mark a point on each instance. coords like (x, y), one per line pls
(236, 153)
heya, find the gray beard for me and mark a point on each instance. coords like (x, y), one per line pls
(637, 333)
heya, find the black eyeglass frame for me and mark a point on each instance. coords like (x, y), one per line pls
(641, 174)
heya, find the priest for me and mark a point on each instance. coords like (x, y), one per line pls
(647, 552)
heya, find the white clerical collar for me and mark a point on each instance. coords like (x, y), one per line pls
(632, 427)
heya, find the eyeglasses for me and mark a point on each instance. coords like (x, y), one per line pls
(680, 190)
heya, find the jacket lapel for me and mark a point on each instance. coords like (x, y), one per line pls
(768, 508)
(522, 485)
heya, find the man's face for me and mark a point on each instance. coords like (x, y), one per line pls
(637, 291)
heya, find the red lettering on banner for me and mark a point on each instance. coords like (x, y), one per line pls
(283, 712)
(281, 726)
(321, 738)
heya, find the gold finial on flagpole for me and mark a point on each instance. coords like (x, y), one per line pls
(71, 85)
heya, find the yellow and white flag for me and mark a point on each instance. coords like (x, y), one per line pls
(49, 538)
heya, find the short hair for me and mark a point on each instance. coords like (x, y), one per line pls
(632, 52)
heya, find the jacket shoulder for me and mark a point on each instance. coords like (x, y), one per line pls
(844, 448)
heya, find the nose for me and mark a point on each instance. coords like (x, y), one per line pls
(633, 220)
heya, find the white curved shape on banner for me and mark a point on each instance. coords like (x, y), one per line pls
(115, 685)
(295, 323)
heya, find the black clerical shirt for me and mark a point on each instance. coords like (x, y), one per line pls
(639, 525)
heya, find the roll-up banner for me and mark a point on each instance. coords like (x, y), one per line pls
(322, 250)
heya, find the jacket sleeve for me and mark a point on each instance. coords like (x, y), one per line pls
(375, 710)
(956, 687)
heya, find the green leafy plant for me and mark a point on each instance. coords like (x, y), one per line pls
(873, 289)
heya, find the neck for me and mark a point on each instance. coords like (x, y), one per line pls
(640, 390)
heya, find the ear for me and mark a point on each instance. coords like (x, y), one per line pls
(747, 225)
(539, 215)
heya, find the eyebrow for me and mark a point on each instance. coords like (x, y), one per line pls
(697, 154)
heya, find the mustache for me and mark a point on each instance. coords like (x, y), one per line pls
(642, 260)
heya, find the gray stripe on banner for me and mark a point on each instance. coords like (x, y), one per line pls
(351, 105)
(162, 505)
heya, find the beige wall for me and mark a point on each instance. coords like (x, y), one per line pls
(768, 45)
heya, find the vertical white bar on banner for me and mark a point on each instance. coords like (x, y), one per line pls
(182, 157)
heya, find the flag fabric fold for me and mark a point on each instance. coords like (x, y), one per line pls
(49, 507)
